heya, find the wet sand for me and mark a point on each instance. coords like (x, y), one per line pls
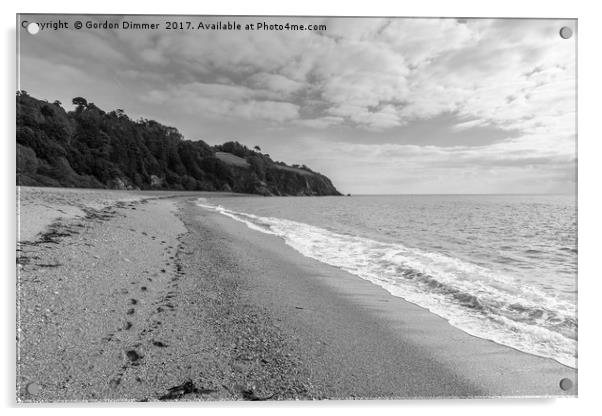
(156, 299)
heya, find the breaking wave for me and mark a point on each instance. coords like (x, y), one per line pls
(470, 297)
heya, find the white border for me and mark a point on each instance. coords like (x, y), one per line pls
(589, 191)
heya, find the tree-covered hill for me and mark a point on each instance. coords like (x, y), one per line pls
(91, 148)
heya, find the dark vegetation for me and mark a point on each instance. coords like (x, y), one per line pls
(91, 148)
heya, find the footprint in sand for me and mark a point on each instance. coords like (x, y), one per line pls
(133, 355)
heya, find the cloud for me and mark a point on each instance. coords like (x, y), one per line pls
(469, 124)
(321, 122)
(275, 82)
(224, 101)
(533, 164)
(369, 73)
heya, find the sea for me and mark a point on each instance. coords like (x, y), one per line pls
(499, 267)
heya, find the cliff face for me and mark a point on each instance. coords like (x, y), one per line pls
(91, 148)
(278, 182)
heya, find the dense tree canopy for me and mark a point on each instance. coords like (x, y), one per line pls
(88, 147)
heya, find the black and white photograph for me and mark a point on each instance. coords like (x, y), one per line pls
(281, 208)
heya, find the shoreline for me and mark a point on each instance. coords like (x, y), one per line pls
(211, 310)
(360, 310)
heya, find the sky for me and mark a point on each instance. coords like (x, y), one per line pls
(379, 105)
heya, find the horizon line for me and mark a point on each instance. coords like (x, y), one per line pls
(468, 194)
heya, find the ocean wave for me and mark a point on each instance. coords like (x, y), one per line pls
(470, 297)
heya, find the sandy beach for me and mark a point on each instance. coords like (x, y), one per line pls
(136, 296)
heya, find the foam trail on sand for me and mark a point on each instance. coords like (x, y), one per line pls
(470, 297)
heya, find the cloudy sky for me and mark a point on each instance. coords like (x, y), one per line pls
(378, 105)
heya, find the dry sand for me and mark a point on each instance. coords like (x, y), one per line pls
(40, 207)
(156, 299)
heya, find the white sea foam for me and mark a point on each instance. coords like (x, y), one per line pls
(472, 298)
